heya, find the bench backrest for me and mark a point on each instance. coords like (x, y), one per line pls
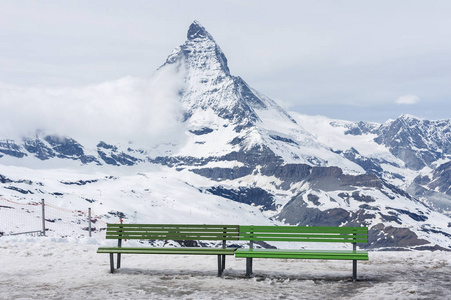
(177, 232)
(304, 234)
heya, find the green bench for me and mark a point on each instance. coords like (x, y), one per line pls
(173, 232)
(352, 235)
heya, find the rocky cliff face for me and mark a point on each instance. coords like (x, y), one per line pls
(419, 143)
(247, 149)
(422, 146)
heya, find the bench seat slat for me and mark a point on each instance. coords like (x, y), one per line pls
(302, 254)
(187, 230)
(180, 251)
(213, 234)
(188, 234)
(193, 226)
(170, 237)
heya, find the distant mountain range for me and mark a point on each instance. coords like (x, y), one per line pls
(242, 148)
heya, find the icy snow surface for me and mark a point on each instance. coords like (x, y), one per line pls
(55, 268)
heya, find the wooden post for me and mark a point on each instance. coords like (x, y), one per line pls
(89, 220)
(43, 217)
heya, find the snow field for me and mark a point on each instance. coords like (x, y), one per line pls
(56, 268)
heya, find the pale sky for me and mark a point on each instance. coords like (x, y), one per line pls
(353, 60)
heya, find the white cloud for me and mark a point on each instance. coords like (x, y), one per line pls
(408, 99)
(129, 109)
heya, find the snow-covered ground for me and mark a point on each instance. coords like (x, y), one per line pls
(56, 268)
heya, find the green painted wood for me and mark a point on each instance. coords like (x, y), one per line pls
(172, 232)
(304, 229)
(302, 254)
(232, 234)
(170, 237)
(171, 226)
(318, 240)
(179, 251)
(139, 229)
(304, 234)
(299, 235)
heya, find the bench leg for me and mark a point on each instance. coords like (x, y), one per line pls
(223, 262)
(248, 267)
(354, 270)
(118, 260)
(219, 266)
(111, 263)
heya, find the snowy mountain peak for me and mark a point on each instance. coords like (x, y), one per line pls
(209, 86)
(409, 117)
(200, 52)
(197, 31)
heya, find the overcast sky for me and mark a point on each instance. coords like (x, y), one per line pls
(353, 60)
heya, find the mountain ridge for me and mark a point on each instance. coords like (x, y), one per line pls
(241, 146)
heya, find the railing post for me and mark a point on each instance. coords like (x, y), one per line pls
(89, 220)
(354, 262)
(43, 217)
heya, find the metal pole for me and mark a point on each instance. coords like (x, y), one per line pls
(249, 260)
(224, 245)
(43, 217)
(219, 266)
(89, 218)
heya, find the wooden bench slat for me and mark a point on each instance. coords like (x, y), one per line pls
(290, 236)
(296, 235)
(172, 232)
(303, 254)
(179, 251)
(173, 226)
(170, 237)
(304, 234)
(219, 235)
(304, 229)
(182, 229)
(319, 240)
